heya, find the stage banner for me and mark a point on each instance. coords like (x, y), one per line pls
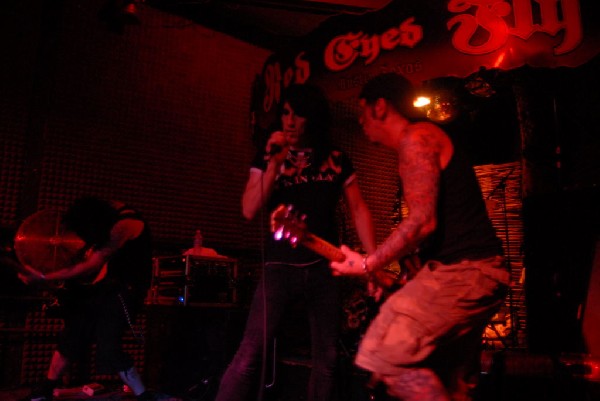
(428, 39)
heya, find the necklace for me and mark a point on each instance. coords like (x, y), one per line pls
(299, 158)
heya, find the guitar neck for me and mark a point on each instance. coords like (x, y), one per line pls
(323, 248)
(331, 252)
(285, 224)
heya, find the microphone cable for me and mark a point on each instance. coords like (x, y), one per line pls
(263, 364)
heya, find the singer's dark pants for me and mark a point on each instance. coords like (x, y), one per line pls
(282, 284)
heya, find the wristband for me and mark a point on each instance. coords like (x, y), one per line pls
(364, 265)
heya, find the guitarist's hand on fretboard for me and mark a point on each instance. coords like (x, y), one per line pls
(351, 265)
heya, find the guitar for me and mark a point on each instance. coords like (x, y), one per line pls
(289, 225)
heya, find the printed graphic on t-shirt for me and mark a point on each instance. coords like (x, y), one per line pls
(295, 170)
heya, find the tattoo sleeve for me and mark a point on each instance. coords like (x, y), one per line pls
(419, 170)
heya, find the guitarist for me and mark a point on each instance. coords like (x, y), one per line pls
(424, 343)
(298, 166)
(102, 292)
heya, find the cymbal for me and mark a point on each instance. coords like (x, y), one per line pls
(43, 243)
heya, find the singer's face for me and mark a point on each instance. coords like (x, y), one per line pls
(293, 125)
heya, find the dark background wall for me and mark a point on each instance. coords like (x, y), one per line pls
(156, 115)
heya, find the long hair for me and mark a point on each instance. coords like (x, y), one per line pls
(309, 101)
(91, 219)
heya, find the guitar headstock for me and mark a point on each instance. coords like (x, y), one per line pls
(288, 224)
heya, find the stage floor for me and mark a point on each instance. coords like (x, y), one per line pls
(20, 393)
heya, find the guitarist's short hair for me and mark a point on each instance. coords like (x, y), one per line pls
(396, 89)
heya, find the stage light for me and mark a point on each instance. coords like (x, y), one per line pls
(439, 105)
(421, 101)
(119, 13)
(442, 108)
(128, 12)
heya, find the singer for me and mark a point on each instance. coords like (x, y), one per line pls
(298, 166)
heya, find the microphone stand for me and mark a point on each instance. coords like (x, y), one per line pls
(502, 187)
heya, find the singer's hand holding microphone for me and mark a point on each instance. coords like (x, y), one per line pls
(277, 147)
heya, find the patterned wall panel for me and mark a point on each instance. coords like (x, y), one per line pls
(12, 170)
(156, 116)
(21, 31)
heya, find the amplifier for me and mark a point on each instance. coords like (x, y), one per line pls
(193, 281)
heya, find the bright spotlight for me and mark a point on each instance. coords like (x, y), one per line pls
(422, 101)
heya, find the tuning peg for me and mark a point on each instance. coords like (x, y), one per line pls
(278, 234)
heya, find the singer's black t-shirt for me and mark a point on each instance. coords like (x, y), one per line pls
(313, 191)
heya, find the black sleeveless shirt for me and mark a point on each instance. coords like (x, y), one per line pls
(464, 230)
(131, 266)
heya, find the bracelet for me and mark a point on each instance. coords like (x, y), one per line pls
(364, 265)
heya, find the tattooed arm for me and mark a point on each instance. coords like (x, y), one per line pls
(421, 151)
(419, 168)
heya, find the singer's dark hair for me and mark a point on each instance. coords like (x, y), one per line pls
(310, 102)
(91, 219)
